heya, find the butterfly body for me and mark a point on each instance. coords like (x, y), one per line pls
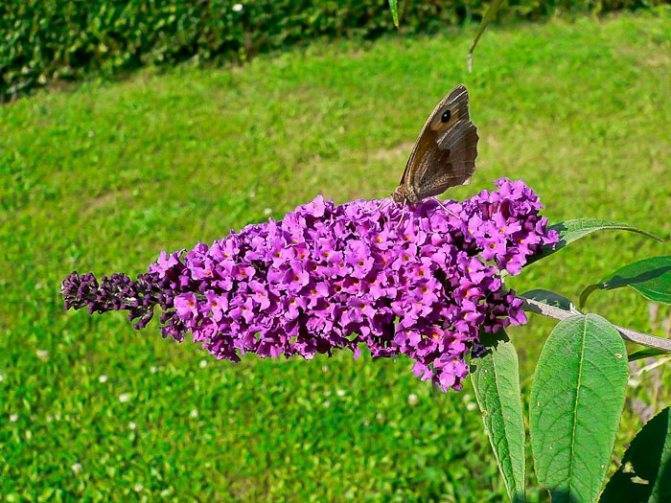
(444, 153)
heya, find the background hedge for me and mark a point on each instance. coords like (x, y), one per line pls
(46, 40)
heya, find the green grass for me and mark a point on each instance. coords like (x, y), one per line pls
(104, 177)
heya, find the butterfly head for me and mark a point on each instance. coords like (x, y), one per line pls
(404, 194)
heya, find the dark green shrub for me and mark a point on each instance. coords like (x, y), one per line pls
(46, 40)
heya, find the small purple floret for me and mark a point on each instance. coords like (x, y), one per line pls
(422, 280)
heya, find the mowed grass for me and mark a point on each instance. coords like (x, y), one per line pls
(104, 177)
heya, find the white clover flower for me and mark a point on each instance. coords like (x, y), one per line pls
(138, 488)
(341, 393)
(267, 212)
(153, 369)
(471, 406)
(13, 418)
(124, 397)
(76, 468)
(42, 354)
(194, 413)
(132, 426)
(237, 7)
(412, 399)
(102, 378)
(202, 364)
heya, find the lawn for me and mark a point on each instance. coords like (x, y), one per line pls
(102, 177)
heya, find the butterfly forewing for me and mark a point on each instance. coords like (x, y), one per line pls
(444, 154)
(455, 164)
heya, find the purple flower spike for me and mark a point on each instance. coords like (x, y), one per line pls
(422, 280)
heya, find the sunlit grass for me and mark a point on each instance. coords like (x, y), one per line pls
(104, 177)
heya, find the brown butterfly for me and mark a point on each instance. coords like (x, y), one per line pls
(444, 154)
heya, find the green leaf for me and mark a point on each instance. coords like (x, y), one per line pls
(646, 353)
(577, 398)
(497, 390)
(651, 277)
(489, 15)
(645, 472)
(550, 298)
(393, 5)
(572, 230)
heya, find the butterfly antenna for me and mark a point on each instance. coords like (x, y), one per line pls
(383, 204)
(440, 203)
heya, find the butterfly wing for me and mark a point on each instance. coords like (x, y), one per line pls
(444, 154)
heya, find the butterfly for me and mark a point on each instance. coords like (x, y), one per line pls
(444, 153)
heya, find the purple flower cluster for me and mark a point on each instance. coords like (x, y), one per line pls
(422, 280)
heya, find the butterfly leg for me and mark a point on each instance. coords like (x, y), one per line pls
(403, 215)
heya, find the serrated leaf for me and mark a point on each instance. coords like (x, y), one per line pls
(393, 5)
(572, 230)
(550, 298)
(497, 389)
(645, 471)
(651, 277)
(577, 398)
